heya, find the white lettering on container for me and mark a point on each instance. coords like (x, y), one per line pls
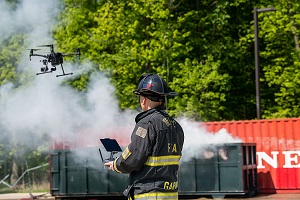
(291, 159)
(263, 156)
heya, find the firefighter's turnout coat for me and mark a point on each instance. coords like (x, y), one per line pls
(152, 157)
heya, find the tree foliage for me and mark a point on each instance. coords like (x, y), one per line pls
(164, 37)
(204, 49)
(280, 54)
(10, 52)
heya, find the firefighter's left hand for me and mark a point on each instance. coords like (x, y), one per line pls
(110, 165)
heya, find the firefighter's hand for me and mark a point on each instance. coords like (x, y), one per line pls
(110, 165)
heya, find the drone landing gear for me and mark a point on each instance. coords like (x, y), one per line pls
(43, 73)
(44, 70)
(63, 74)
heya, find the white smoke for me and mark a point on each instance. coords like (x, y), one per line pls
(30, 16)
(35, 19)
(198, 139)
(48, 106)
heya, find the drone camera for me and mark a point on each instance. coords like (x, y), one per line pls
(53, 69)
(44, 69)
(44, 62)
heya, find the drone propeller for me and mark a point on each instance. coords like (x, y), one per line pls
(33, 49)
(46, 45)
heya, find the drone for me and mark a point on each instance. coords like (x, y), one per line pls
(54, 58)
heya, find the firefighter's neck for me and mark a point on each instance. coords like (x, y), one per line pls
(147, 104)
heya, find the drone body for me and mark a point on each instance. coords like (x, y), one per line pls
(54, 58)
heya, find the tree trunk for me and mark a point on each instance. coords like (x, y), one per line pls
(14, 172)
(294, 29)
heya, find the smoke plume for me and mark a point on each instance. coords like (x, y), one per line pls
(198, 139)
(46, 106)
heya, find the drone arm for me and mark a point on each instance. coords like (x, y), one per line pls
(44, 56)
(70, 54)
(77, 53)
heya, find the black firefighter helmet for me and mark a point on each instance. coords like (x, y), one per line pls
(153, 87)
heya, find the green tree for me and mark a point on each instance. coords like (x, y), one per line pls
(189, 42)
(198, 96)
(10, 52)
(73, 31)
(279, 44)
(133, 37)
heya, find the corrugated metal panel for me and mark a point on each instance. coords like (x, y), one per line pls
(277, 144)
(278, 150)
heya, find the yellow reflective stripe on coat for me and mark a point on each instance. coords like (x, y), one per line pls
(162, 160)
(157, 196)
(115, 166)
(126, 153)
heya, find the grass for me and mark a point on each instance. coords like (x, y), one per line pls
(43, 187)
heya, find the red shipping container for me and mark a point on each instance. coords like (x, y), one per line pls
(278, 150)
(277, 145)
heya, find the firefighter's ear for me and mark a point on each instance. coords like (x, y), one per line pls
(143, 100)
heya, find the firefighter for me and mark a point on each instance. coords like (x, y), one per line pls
(152, 157)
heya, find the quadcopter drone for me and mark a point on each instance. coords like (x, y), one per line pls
(54, 58)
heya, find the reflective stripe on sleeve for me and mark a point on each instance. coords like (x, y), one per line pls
(126, 153)
(162, 160)
(115, 166)
(157, 196)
